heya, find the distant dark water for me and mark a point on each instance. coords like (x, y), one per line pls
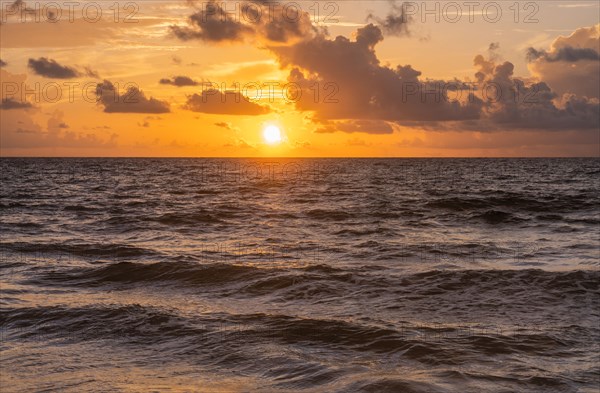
(324, 275)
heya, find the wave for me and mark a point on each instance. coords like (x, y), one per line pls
(497, 217)
(175, 219)
(329, 215)
(318, 282)
(519, 202)
(80, 249)
(417, 342)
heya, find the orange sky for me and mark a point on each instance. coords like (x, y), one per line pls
(363, 73)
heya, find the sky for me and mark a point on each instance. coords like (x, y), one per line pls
(300, 79)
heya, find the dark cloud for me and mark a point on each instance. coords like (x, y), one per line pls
(51, 69)
(357, 93)
(225, 125)
(571, 65)
(179, 81)
(568, 53)
(279, 29)
(354, 85)
(11, 103)
(19, 5)
(517, 104)
(364, 90)
(213, 101)
(212, 24)
(132, 101)
(91, 73)
(396, 22)
(260, 20)
(494, 46)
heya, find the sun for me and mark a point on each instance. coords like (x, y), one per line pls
(272, 135)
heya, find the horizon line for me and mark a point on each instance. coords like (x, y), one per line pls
(299, 157)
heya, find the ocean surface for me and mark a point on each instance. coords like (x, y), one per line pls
(300, 275)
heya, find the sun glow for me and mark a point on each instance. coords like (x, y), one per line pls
(272, 135)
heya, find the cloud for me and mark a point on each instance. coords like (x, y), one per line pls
(20, 131)
(51, 69)
(354, 85)
(572, 64)
(91, 73)
(213, 101)
(18, 5)
(568, 54)
(212, 24)
(357, 142)
(357, 93)
(146, 122)
(351, 126)
(283, 27)
(240, 144)
(67, 26)
(516, 104)
(179, 81)
(225, 125)
(362, 89)
(11, 103)
(14, 91)
(132, 101)
(24, 130)
(396, 22)
(260, 20)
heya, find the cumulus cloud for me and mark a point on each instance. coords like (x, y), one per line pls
(367, 90)
(179, 81)
(212, 24)
(572, 64)
(568, 54)
(51, 69)
(260, 20)
(132, 101)
(517, 104)
(357, 93)
(350, 73)
(213, 101)
(281, 27)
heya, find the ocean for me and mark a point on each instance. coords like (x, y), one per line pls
(299, 275)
